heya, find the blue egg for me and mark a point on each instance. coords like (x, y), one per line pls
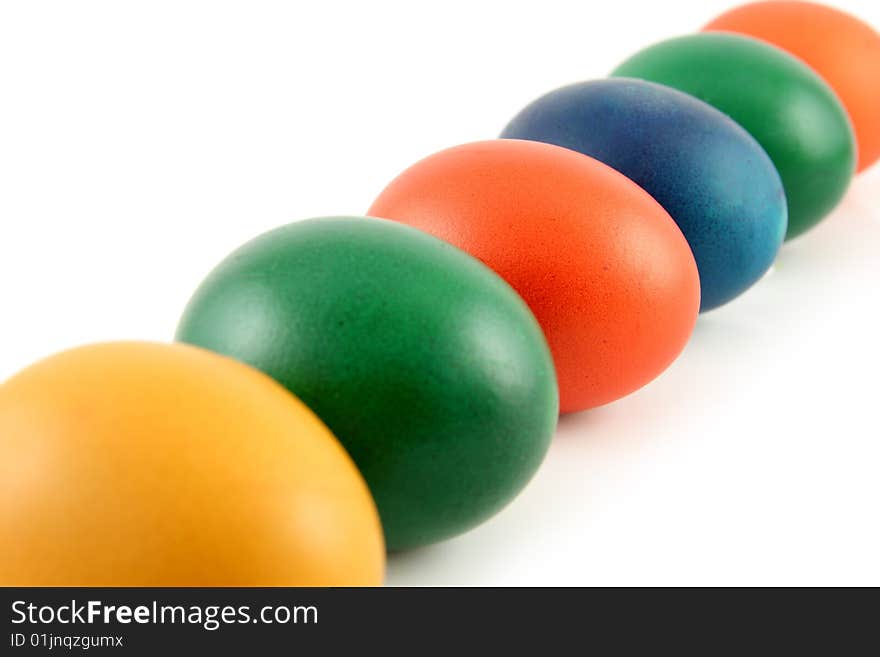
(709, 174)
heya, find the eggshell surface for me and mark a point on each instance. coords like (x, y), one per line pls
(842, 49)
(426, 365)
(135, 464)
(604, 268)
(708, 173)
(779, 100)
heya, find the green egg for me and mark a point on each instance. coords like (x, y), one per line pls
(787, 108)
(426, 365)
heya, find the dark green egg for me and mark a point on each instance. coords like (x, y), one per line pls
(425, 364)
(786, 107)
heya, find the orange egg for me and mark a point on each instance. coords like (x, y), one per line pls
(137, 464)
(604, 268)
(840, 48)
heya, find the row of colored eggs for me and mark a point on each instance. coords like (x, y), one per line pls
(441, 374)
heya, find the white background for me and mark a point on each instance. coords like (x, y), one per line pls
(141, 142)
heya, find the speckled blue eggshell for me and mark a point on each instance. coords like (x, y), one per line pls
(706, 171)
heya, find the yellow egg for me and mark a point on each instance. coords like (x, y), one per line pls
(136, 464)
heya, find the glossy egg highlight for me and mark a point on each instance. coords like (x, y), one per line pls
(778, 99)
(135, 464)
(426, 365)
(709, 174)
(606, 271)
(842, 49)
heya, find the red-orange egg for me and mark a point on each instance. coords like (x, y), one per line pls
(839, 47)
(604, 268)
